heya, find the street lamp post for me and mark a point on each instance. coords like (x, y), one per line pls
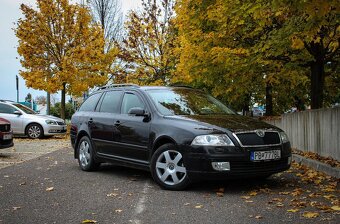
(17, 84)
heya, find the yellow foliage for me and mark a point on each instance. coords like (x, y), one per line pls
(60, 46)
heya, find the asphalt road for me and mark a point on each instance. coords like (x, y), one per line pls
(52, 189)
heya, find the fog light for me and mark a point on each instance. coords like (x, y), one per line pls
(289, 160)
(221, 166)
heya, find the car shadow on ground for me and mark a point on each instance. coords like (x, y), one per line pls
(276, 182)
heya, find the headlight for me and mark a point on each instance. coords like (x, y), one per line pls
(212, 140)
(50, 122)
(284, 137)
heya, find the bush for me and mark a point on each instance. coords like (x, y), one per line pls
(69, 111)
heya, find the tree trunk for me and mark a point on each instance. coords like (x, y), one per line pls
(63, 94)
(48, 103)
(317, 84)
(269, 100)
(246, 102)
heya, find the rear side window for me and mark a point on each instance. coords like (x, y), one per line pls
(130, 100)
(6, 109)
(110, 102)
(90, 103)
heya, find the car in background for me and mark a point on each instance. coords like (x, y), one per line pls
(258, 112)
(6, 134)
(25, 121)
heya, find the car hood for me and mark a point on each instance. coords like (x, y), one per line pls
(46, 117)
(4, 121)
(234, 123)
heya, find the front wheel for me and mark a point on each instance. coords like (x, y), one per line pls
(85, 155)
(167, 168)
(35, 131)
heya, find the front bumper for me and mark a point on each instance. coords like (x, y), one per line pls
(6, 143)
(54, 130)
(198, 162)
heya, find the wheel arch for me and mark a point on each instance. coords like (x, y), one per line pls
(81, 134)
(162, 140)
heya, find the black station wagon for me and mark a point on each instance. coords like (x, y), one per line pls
(180, 134)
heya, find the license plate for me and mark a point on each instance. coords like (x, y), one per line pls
(7, 137)
(265, 155)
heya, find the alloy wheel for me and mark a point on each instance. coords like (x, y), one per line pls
(84, 153)
(34, 131)
(169, 167)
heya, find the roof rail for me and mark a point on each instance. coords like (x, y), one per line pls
(181, 85)
(116, 85)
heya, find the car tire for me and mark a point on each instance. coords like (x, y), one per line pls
(168, 169)
(86, 155)
(35, 131)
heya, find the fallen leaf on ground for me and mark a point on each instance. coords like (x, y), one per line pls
(336, 208)
(89, 221)
(16, 208)
(329, 196)
(220, 194)
(279, 204)
(186, 204)
(248, 201)
(199, 206)
(118, 210)
(112, 195)
(284, 193)
(258, 217)
(50, 189)
(310, 215)
(253, 193)
(293, 210)
(23, 183)
(245, 197)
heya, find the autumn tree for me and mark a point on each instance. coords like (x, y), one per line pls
(244, 50)
(148, 44)
(108, 14)
(60, 48)
(313, 29)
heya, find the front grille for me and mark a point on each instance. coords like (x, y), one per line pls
(248, 167)
(60, 123)
(5, 127)
(252, 139)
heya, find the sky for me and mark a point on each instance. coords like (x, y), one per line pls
(9, 58)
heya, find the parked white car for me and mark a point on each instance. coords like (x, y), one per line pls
(25, 121)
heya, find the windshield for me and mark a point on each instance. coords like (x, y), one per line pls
(24, 108)
(183, 101)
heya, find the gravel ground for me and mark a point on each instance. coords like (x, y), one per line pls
(27, 149)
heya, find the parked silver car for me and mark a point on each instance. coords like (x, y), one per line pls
(25, 121)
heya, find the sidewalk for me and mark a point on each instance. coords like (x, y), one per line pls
(319, 166)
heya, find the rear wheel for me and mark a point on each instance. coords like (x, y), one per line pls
(86, 155)
(35, 131)
(167, 168)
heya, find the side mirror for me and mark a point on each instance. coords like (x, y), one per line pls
(17, 113)
(137, 111)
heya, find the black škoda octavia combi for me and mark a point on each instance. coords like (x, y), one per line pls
(180, 134)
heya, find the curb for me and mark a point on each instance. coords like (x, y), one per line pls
(319, 166)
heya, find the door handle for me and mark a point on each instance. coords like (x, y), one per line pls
(90, 121)
(117, 123)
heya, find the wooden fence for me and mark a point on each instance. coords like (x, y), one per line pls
(313, 130)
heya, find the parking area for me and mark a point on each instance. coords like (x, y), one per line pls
(26, 149)
(52, 189)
